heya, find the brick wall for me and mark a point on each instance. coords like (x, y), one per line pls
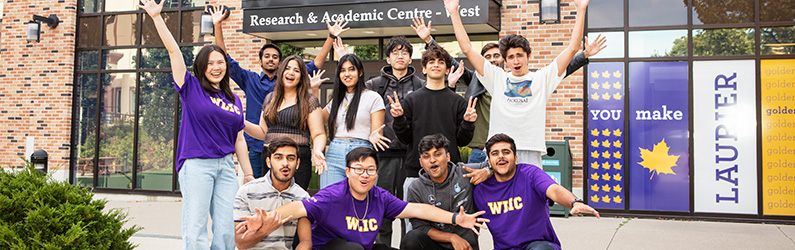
(36, 90)
(565, 107)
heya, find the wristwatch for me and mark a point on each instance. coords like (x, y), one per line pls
(575, 201)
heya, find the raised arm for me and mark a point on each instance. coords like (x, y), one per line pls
(334, 31)
(178, 68)
(218, 14)
(461, 35)
(567, 54)
(251, 225)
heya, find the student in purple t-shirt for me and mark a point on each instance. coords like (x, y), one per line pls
(517, 199)
(212, 122)
(347, 214)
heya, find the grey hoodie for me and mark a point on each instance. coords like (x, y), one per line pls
(455, 191)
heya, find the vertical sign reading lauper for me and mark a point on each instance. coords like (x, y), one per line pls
(724, 137)
(658, 139)
(778, 136)
(606, 139)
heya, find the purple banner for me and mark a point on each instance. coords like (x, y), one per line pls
(605, 172)
(659, 175)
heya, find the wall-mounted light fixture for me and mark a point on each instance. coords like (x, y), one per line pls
(550, 11)
(206, 26)
(34, 27)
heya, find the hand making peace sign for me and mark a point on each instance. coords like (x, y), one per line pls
(397, 109)
(470, 114)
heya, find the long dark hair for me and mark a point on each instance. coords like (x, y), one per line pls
(302, 100)
(339, 94)
(200, 66)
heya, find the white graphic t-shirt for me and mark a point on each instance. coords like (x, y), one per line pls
(518, 106)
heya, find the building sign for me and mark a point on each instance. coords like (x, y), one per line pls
(368, 15)
(659, 174)
(724, 136)
(605, 175)
(288, 3)
(778, 136)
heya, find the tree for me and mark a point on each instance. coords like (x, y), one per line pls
(366, 52)
(716, 42)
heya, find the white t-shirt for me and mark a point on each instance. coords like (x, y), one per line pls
(369, 103)
(518, 105)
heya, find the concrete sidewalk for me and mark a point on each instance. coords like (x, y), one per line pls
(160, 218)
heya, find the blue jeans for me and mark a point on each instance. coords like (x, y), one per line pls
(208, 187)
(256, 162)
(476, 156)
(335, 159)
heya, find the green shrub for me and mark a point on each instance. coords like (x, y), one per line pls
(39, 213)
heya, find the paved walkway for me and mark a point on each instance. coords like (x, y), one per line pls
(160, 218)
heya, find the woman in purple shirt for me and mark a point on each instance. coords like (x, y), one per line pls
(212, 122)
(291, 111)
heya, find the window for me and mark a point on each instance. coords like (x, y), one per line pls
(127, 108)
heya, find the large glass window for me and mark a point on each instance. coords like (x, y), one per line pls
(723, 42)
(657, 13)
(722, 11)
(606, 14)
(778, 40)
(127, 108)
(776, 10)
(658, 43)
(614, 43)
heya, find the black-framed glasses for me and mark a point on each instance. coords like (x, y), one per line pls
(360, 171)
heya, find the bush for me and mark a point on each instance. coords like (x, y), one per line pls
(39, 213)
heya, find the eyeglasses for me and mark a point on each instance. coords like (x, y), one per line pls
(360, 171)
(398, 53)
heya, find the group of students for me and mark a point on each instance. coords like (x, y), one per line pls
(397, 131)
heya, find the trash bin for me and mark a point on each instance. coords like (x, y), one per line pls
(557, 163)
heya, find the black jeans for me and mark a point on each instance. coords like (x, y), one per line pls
(342, 244)
(390, 177)
(304, 172)
(416, 239)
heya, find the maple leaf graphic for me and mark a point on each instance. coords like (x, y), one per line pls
(606, 96)
(606, 154)
(606, 74)
(595, 165)
(606, 85)
(595, 132)
(595, 198)
(606, 177)
(658, 160)
(595, 85)
(606, 143)
(595, 74)
(616, 177)
(595, 176)
(617, 96)
(617, 165)
(617, 144)
(606, 188)
(617, 199)
(606, 132)
(617, 188)
(617, 74)
(594, 187)
(595, 96)
(595, 154)
(616, 132)
(606, 199)
(606, 165)
(617, 155)
(617, 85)
(595, 143)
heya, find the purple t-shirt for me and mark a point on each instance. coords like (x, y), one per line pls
(210, 123)
(332, 216)
(518, 208)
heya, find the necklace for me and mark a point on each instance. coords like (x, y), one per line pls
(367, 207)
